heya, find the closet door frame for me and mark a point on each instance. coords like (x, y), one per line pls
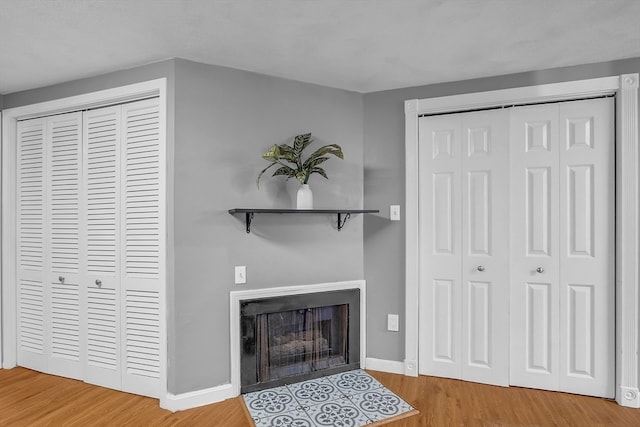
(10, 118)
(627, 269)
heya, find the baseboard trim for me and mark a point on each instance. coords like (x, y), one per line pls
(194, 399)
(390, 366)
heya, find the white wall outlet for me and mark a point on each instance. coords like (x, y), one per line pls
(241, 274)
(393, 322)
(394, 212)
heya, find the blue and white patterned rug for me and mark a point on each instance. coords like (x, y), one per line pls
(349, 399)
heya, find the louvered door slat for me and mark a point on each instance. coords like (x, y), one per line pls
(102, 189)
(141, 237)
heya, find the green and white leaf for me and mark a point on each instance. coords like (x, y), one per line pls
(300, 142)
(285, 170)
(320, 171)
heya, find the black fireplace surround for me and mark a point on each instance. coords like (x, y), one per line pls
(292, 338)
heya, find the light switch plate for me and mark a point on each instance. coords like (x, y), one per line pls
(394, 212)
(393, 321)
(241, 274)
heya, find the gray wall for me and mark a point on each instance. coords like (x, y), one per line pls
(220, 122)
(384, 185)
(225, 120)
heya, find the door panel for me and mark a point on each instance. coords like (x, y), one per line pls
(587, 300)
(534, 287)
(485, 249)
(32, 314)
(64, 244)
(142, 273)
(444, 297)
(102, 133)
(440, 242)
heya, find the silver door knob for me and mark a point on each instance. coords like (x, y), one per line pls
(61, 279)
(480, 268)
(540, 270)
(98, 283)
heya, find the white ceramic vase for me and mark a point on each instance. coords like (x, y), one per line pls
(304, 197)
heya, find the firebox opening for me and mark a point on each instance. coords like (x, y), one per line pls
(293, 338)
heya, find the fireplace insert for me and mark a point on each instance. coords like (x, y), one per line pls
(292, 338)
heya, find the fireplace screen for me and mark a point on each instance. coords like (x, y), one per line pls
(292, 338)
(300, 341)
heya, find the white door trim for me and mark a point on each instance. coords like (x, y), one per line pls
(625, 87)
(10, 117)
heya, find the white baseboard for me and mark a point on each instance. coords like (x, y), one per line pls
(390, 366)
(193, 399)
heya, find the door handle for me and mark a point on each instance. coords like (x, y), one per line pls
(61, 279)
(480, 268)
(99, 283)
(540, 270)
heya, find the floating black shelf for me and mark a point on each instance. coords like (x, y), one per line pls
(343, 214)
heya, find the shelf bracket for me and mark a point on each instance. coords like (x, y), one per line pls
(341, 221)
(248, 217)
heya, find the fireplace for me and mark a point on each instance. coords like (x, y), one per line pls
(291, 338)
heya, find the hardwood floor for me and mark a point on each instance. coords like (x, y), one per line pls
(29, 398)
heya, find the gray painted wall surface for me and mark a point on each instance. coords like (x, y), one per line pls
(384, 185)
(93, 84)
(222, 120)
(225, 120)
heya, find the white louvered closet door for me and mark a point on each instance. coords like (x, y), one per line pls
(31, 310)
(102, 142)
(65, 262)
(142, 245)
(49, 245)
(124, 242)
(90, 221)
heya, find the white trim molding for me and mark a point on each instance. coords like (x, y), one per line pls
(10, 118)
(194, 399)
(627, 243)
(235, 297)
(382, 365)
(625, 88)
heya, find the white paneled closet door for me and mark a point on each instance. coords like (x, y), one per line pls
(562, 275)
(516, 243)
(464, 242)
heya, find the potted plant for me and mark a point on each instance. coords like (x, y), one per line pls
(291, 164)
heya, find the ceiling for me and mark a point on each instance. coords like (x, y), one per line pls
(359, 45)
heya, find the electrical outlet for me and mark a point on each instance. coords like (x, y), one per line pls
(394, 212)
(241, 274)
(393, 321)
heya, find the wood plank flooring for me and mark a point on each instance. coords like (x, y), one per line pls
(29, 398)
